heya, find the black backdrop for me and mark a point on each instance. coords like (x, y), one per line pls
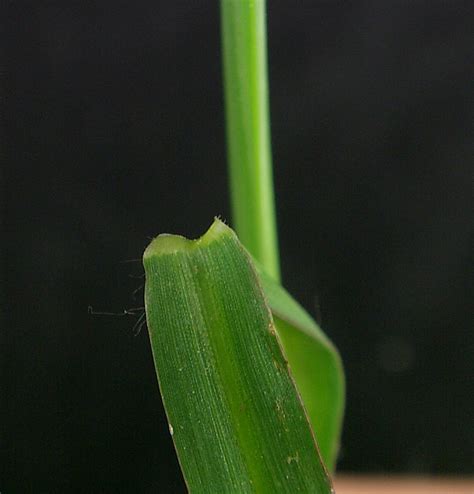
(114, 133)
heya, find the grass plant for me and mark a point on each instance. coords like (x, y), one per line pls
(249, 381)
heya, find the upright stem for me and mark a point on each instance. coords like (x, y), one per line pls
(248, 129)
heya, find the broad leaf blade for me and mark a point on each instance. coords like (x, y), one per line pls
(238, 423)
(315, 365)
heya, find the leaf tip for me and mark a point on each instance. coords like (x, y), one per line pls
(166, 243)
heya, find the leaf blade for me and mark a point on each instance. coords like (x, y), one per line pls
(238, 423)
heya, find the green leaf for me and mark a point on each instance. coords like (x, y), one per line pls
(315, 365)
(236, 418)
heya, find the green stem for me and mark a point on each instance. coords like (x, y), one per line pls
(248, 129)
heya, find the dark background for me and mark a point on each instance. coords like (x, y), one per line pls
(114, 133)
